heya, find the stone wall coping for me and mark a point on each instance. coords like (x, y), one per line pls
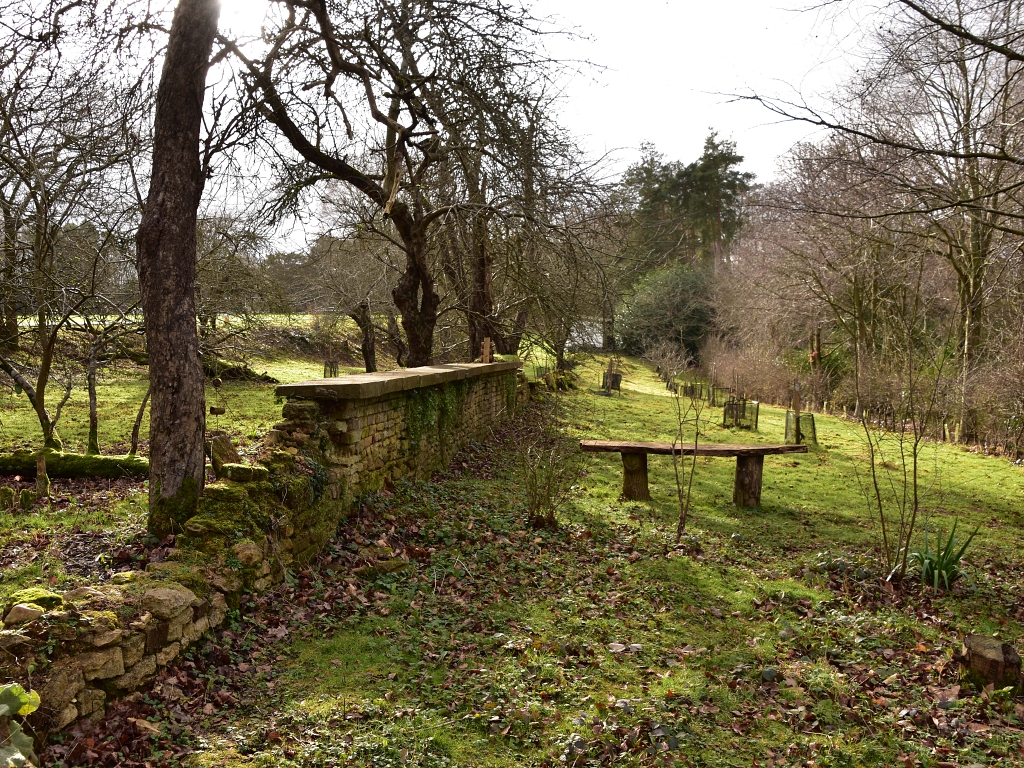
(363, 386)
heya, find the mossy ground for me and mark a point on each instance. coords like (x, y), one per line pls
(498, 650)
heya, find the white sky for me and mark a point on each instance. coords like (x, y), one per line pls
(667, 65)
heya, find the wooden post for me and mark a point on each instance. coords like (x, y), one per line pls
(634, 477)
(42, 479)
(747, 488)
(485, 351)
(798, 438)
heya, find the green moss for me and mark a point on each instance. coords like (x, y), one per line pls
(168, 514)
(225, 490)
(245, 473)
(74, 465)
(188, 574)
(44, 598)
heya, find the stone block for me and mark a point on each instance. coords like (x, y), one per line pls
(218, 609)
(246, 473)
(100, 665)
(62, 685)
(132, 649)
(156, 636)
(192, 632)
(176, 624)
(22, 613)
(138, 675)
(222, 452)
(91, 701)
(248, 553)
(65, 717)
(168, 654)
(165, 602)
(301, 410)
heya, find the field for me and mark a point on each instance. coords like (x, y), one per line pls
(767, 637)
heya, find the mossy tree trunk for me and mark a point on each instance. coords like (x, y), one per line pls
(167, 271)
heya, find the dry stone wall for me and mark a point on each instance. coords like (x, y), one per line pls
(339, 438)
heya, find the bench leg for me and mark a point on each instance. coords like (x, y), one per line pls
(747, 490)
(634, 477)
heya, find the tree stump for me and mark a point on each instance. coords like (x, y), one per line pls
(634, 477)
(747, 489)
(990, 661)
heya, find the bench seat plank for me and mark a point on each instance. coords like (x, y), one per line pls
(749, 464)
(703, 449)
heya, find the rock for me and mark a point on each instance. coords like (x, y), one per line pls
(176, 624)
(103, 639)
(303, 411)
(62, 685)
(166, 602)
(90, 701)
(27, 499)
(224, 490)
(635, 647)
(37, 595)
(787, 634)
(222, 452)
(167, 655)
(66, 716)
(127, 577)
(246, 473)
(82, 594)
(22, 613)
(137, 676)
(248, 553)
(225, 582)
(739, 538)
(384, 567)
(990, 661)
(145, 726)
(768, 674)
(99, 665)
(888, 654)
(218, 609)
(616, 647)
(133, 647)
(6, 497)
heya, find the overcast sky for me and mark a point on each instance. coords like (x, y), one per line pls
(664, 69)
(668, 64)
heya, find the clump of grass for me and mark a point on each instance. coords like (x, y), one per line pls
(942, 564)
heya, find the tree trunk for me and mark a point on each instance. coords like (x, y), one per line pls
(8, 299)
(368, 346)
(137, 427)
(415, 296)
(634, 477)
(747, 486)
(94, 419)
(167, 268)
(395, 339)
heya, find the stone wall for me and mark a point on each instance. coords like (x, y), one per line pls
(339, 438)
(408, 423)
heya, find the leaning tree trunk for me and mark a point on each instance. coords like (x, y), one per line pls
(395, 339)
(415, 296)
(368, 345)
(94, 418)
(167, 268)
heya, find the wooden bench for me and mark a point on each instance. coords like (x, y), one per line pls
(749, 464)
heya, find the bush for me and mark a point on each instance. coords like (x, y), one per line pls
(668, 305)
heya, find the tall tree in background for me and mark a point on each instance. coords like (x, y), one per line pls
(167, 268)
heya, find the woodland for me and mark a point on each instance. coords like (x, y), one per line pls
(153, 173)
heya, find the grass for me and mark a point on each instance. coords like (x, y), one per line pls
(768, 636)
